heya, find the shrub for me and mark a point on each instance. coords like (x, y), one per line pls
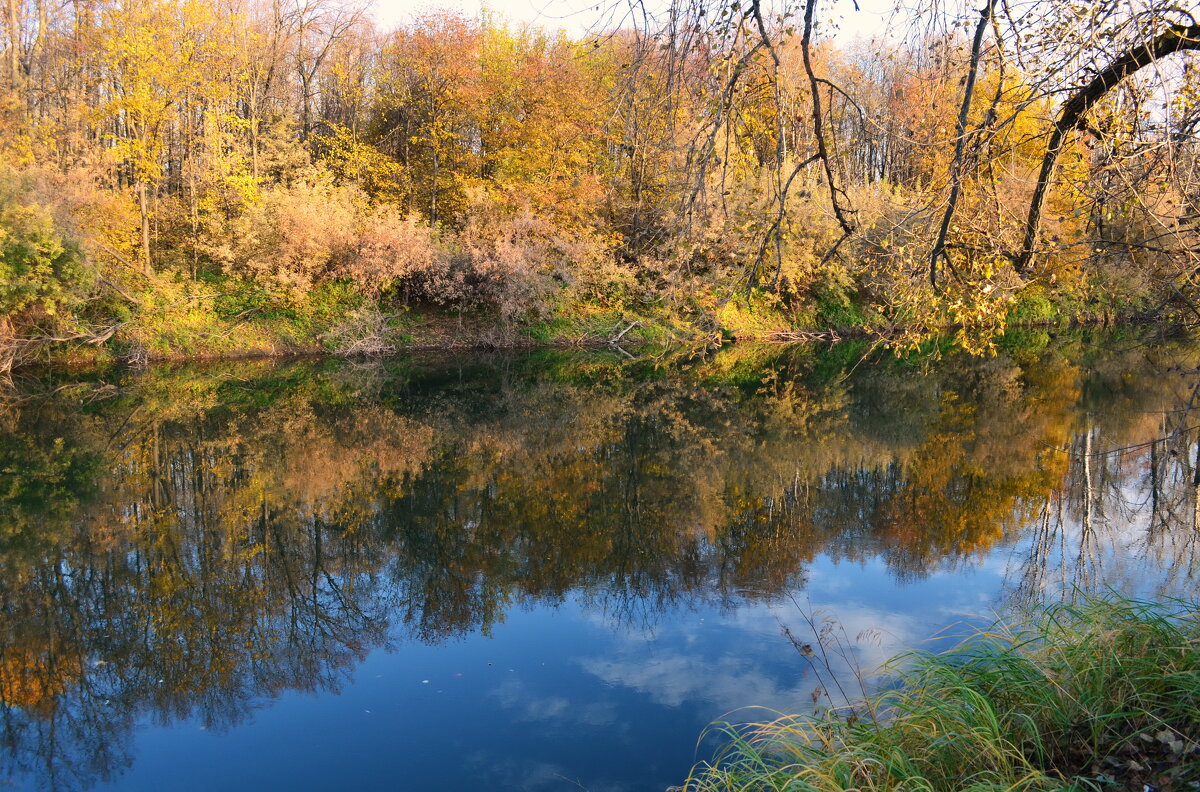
(364, 332)
(521, 262)
(299, 236)
(42, 270)
(400, 254)
(292, 237)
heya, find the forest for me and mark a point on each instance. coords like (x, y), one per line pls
(193, 178)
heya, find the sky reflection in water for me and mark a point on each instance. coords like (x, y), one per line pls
(540, 572)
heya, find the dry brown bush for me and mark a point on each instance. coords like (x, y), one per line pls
(402, 254)
(292, 237)
(365, 333)
(522, 263)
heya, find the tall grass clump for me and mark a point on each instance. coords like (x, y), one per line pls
(1100, 695)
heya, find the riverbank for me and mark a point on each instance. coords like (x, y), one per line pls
(1104, 695)
(193, 324)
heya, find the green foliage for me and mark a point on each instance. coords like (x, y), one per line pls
(1022, 340)
(41, 486)
(585, 322)
(755, 315)
(837, 310)
(232, 316)
(1032, 306)
(1053, 700)
(41, 268)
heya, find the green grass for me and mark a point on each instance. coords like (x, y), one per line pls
(223, 316)
(584, 322)
(1103, 695)
(751, 316)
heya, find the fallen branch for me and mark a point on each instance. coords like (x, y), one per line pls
(121, 259)
(621, 334)
(128, 297)
(87, 338)
(790, 336)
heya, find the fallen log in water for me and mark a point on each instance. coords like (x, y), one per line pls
(790, 336)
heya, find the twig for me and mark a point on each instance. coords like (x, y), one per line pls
(621, 334)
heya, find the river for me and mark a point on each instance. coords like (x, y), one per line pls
(545, 571)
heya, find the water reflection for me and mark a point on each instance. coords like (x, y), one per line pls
(183, 544)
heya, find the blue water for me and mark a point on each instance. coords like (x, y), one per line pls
(557, 697)
(542, 574)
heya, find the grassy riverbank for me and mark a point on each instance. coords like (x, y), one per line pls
(1105, 695)
(223, 318)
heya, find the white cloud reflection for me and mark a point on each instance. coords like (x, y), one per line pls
(679, 667)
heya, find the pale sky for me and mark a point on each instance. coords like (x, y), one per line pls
(577, 16)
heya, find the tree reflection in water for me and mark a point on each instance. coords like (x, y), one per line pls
(181, 544)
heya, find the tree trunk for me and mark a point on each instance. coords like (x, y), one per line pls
(254, 129)
(939, 247)
(14, 45)
(8, 346)
(144, 209)
(818, 119)
(305, 109)
(1176, 38)
(433, 209)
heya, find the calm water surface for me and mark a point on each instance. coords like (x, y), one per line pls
(544, 572)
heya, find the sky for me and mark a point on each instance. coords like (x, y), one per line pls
(578, 16)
